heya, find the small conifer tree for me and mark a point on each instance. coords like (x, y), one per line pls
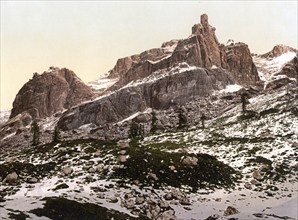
(203, 119)
(244, 102)
(153, 122)
(56, 136)
(182, 119)
(136, 131)
(36, 133)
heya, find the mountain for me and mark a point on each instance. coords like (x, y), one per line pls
(51, 92)
(194, 129)
(161, 78)
(278, 66)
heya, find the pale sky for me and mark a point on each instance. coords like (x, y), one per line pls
(89, 36)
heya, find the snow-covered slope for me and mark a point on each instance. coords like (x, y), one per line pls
(253, 155)
(268, 68)
(102, 83)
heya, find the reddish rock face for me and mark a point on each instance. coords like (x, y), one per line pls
(201, 49)
(240, 64)
(50, 92)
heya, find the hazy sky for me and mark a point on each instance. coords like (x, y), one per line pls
(89, 36)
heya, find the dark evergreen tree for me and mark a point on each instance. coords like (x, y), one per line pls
(36, 133)
(182, 118)
(136, 131)
(153, 122)
(56, 136)
(203, 119)
(244, 101)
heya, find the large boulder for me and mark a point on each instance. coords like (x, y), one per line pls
(50, 92)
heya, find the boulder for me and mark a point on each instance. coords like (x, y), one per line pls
(163, 204)
(184, 201)
(11, 178)
(230, 211)
(140, 200)
(129, 203)
(32, 180)
(67, 170)
(153, 176)
(112, 200)
(257, 175)
(122, 158)
(190, 161)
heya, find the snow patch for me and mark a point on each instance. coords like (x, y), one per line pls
(148, 110)
(231, 88)
(103, 82)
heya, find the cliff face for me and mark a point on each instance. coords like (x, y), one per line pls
(177, 87)
(241, 65)
(172, 75)
(200, 49)
(160, 78)
(50, 92)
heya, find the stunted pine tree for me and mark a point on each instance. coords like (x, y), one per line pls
(56, 136)
(203, 119)
(243, 101)
(182, 118)
(136, 131)
(153, 122)
(35, 131)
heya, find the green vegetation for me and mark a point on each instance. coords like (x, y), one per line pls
(136, 131)
(143, 160)
(18, 215)
(59, 208)
(21, 167)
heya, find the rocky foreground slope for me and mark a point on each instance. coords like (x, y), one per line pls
(241, 165)
(192, 130)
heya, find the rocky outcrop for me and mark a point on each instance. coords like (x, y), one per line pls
(241, 65)
(290, 69)
(50, 92)
(279, 50)
(200, 49)
(210, 52)
(176, 88)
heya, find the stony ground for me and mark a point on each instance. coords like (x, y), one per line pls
(241, 166)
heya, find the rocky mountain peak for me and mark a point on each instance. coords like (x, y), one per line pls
(52, 91)
(204, 20)
(200, 49)
(278, 50)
